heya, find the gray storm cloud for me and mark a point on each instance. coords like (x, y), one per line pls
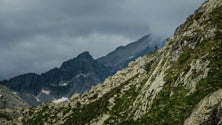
(36, 35)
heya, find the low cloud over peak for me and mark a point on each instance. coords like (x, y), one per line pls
(37, 35)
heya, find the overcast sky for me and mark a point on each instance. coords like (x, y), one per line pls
(37, 35)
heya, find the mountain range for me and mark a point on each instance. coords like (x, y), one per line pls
(76, 75)
(179, 84)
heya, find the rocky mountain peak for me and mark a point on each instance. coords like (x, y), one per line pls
(85, 54)
(82, 58)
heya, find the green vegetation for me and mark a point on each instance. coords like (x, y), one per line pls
(174, 109)
(216, 18)
(40, 117)
(148, 66)
(122, 104)
(5, 116)
(172, 105)
(88, 112)
(183, 57)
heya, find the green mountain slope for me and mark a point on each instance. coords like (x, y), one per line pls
(179, 84)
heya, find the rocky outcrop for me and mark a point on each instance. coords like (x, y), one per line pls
(207, 111)
(135, 69)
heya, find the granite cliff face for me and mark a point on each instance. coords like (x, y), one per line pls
(178, 84)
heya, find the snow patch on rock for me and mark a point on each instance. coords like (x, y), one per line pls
(63, 99)
(37, 99)
(131, 57)
(82, 75)
(63, 84)
(47, 92)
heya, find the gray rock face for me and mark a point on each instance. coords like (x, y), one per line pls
(207, 111)
(8, 99)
